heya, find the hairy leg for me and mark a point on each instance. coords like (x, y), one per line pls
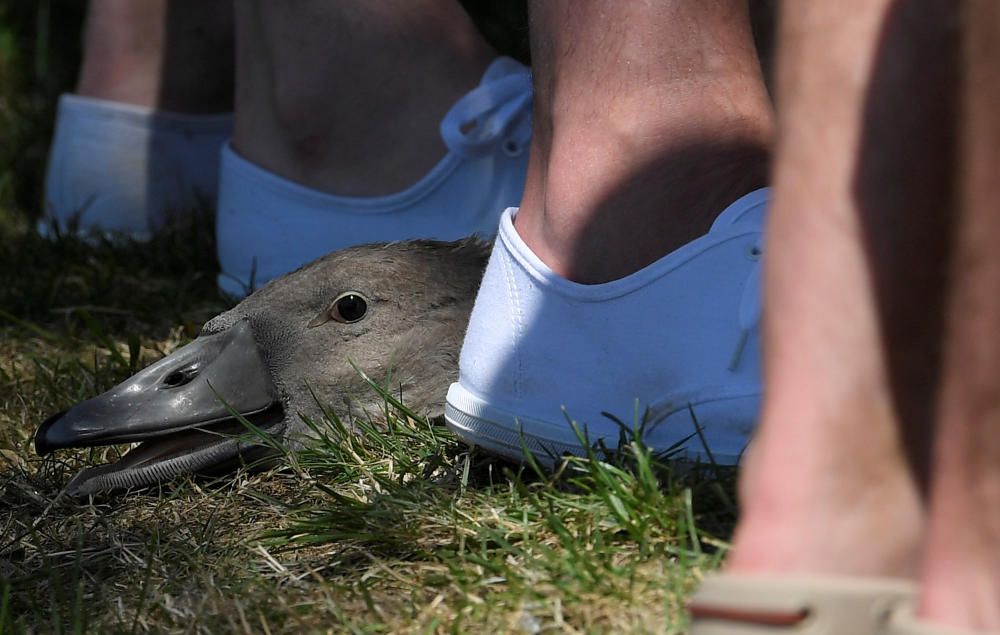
(961, 576)
(650, 118)
(174, 55)
(855, 282)
(347, 97)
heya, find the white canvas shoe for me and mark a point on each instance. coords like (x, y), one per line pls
(267, 225)
(675, 339)
(121, 170)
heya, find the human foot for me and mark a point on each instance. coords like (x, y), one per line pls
(672, 348)
(848, 515)
(268, 225)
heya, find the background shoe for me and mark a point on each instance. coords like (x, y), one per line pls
(268, 225)
(676, 337)
(123, 170)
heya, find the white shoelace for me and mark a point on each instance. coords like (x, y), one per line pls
(497, 111)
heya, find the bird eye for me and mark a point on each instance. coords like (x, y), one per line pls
(349, 307)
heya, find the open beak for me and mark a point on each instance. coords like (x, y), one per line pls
(180, 408)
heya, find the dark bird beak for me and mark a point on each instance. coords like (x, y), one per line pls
(172, 404)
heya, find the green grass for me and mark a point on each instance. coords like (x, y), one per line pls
(399, 528)
(396, 529)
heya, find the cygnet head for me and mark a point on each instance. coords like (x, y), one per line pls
(396, 312)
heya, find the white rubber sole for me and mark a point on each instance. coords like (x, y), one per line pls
(504, 433)
(477, 423)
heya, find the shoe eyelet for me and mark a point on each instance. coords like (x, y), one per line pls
(754, 252)
(512, 148)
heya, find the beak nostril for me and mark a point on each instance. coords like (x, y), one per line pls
(179, 377)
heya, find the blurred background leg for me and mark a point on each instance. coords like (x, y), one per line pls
(362, 122)
(136, 147)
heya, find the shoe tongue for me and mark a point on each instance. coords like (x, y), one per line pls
(750, 209)
(502, 67)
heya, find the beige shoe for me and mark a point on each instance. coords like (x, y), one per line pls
(733, 604)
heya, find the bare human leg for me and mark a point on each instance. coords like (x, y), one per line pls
(650, 118)
(855, 282)
(346, 98)
(173, 55)
(904, 484)
(960, 581)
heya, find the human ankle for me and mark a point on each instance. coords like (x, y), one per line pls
(332, 128)
(876, 533)
(337, 156)
(813, 503)
(961, 574)
(613, 195)
(173, 56)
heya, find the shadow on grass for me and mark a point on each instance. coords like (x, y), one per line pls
(50, 283)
